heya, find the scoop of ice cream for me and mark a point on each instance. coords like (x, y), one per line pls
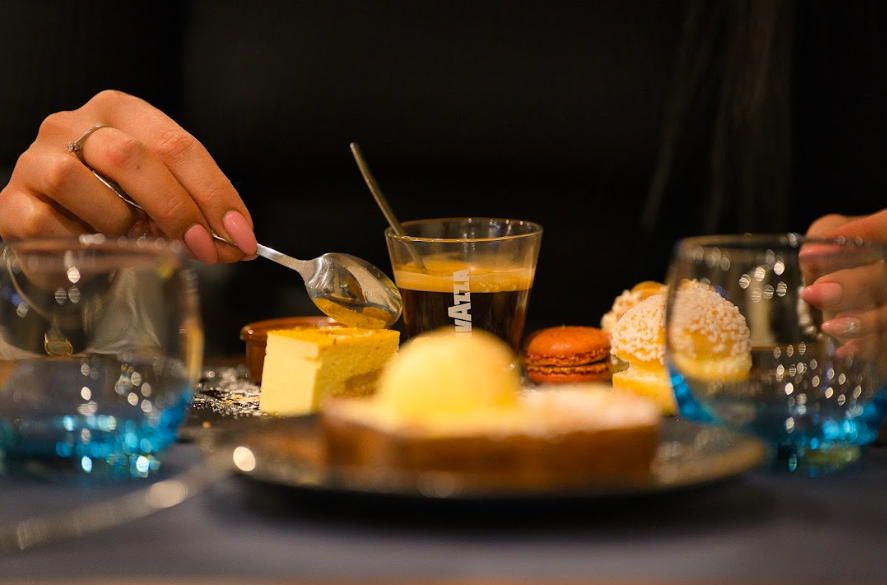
(442, 374)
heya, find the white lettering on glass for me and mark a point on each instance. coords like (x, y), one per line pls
(460, 312)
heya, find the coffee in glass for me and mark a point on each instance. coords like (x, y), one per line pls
(466, 274)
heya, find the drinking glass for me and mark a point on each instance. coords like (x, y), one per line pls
(466, 273)
(815, 388)
(100, 351)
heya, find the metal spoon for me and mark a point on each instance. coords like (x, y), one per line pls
(382, 201)
(350, 290)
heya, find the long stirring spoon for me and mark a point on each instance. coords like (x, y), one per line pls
(382, 201)
(350, 290)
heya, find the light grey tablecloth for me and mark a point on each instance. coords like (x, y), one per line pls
(760, 528)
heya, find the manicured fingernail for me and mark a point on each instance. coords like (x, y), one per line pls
(200, 243)
(816, 251)
(826, 294)
(239, 230)
(842, 327)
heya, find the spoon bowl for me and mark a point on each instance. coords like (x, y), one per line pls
(350, 290)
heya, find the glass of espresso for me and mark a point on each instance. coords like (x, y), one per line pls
(466, 273)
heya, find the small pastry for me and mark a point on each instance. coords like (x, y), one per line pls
(709, 341)
(628, 299)
(639, 339)
(567, 355)
(709, 337)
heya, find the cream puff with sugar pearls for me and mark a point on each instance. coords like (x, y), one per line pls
(709, 337)
(639, 339)
(628, 299)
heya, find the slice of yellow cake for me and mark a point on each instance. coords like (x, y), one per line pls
(303, 367)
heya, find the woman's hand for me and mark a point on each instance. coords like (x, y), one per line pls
(163, 168)
(850, 289)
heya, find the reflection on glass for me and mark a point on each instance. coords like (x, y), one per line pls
(100, 347)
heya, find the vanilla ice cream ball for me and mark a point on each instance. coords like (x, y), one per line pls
(442, 373)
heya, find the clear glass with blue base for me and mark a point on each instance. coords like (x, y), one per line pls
(815, 398)
(100, 351)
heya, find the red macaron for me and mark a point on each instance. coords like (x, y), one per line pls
(567, 355)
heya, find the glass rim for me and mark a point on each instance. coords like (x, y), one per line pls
(144, 244)
(535, 230)
(787, 240)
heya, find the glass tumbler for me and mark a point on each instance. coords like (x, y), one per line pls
(466, 273)
(100, 351)
(793, 348)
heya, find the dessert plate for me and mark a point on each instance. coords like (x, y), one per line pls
(290, 452)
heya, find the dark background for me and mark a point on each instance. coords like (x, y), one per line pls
(620, 126)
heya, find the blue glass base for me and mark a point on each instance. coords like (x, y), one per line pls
(84, 447)
(813, 462)
(817, 443)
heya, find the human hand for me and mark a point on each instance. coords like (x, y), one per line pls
(849, 287)
(163, 168)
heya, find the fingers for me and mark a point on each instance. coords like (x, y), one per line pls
(850, 288)
(821, 258)
(869, 348)
(26, 215)
(818, 259)
(859, 288)
(855, 316)
(162, 167)
(870, 227)
(861, 327)
(190, 164)
(68, 183)
(126, 160)
(859, 335)
(856, 324)
(149, 182)
(847, 327)
(827, 224)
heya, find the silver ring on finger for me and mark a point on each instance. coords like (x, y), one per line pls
(76, 147)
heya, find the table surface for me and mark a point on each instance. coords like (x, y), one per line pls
(762, 527)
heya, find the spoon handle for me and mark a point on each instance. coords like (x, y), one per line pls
(376, 190)
(271, 254)
(382, 201)
(299, 266)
